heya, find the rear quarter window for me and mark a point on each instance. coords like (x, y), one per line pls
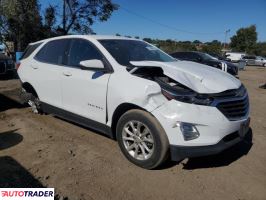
(29, 50)
(53, 52)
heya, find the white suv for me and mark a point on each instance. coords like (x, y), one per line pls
(154, 105)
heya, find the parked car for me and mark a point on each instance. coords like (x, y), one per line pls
(7, 66)
(234, 56)
(218, 57)
(255, 60)
(152, 104)
(206, 59)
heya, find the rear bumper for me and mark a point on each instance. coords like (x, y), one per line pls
(181, 152)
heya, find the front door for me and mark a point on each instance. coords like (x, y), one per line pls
(84, 91)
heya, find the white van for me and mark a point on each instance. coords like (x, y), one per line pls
(234, 56)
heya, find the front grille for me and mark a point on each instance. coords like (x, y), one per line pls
(234, 109)
(2, 67)
(234, 104)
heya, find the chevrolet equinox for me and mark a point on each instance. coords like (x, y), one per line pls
(155, 106)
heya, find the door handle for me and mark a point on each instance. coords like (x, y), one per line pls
(67, 73)
(34, 66)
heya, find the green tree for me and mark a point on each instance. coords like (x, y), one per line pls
(78, 16)
(50, 21)
(212, 47)
(50, 16)
(261, 49)
(245, 40)
(196, 42)
(20, 22)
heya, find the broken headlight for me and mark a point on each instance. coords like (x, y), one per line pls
(188, 97)
(174, 90)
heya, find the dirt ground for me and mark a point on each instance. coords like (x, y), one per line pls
(44, 151)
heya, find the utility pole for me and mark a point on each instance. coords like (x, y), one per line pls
(225, 36)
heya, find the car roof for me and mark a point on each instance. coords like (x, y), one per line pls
(197, 52)
(96, 37)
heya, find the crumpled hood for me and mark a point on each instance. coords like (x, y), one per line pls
(200, 78)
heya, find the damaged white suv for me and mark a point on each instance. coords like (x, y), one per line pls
(154, 105)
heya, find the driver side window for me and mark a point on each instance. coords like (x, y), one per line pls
(81, 50)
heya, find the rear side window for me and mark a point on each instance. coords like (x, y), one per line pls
(53, 52)
(81, 50)
(29, 50)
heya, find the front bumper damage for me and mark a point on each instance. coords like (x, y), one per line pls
(178, 153)
(217, 133)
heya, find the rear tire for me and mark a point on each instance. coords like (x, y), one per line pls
(142, 139)
(35, 104)
(32, 100)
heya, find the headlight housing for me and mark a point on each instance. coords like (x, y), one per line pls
(174, 90)
(191, 97)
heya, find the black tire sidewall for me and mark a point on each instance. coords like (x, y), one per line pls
(157, 134)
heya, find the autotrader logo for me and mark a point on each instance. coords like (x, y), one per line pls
(26, 193)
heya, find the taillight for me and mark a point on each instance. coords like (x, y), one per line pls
(17, 65)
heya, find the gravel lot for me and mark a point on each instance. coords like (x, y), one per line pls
(44, 151)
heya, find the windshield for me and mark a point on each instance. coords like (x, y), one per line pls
(125, 51)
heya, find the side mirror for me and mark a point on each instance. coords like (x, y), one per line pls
(91, 64)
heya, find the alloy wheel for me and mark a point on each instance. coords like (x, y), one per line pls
(138, 140)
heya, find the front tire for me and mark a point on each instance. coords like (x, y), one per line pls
(142, 139)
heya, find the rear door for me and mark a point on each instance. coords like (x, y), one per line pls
(84, 91)
(47, 71)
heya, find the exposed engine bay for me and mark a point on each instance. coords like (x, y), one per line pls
(156, 74)
(196, 77)
(171, 89)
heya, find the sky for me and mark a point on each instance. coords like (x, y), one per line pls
(180, 20)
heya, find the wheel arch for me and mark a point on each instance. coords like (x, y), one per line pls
(29, 88)
(119, 111)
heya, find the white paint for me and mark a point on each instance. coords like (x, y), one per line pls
(75, 90)
(98, 64)
(198, 77)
